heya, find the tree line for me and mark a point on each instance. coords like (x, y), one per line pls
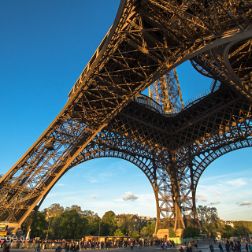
(57, 222)
(211, 225)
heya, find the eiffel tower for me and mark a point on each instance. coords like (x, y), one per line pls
(106, 117)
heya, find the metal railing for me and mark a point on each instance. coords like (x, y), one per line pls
(150, 103)
(153, 105)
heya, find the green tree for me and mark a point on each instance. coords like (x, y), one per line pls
(209, 220)
(54, 210)
(191, 232)
(108, 223)
(118, 232)
(147, 231)
(123, 223)
(36, 224)
(76, 208)
(227, 231)
(93, 221)
(247, 224)
(130, 224)
(240, 230)
(69, 225)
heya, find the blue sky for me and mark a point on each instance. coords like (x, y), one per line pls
(44, 46)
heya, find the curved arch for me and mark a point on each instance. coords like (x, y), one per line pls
(104, 154)
(145, 165)
(195, 168)
(147, 162)
(212, 156)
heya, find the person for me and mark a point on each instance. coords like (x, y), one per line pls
(227, 246)
(189, 247)
(5, 246)
(131, 245)
(162, 245)
(250, 247)
(211, 247)
(220, 247)
(37, 246)
(58, 249)
(247, 247)
(181, 249)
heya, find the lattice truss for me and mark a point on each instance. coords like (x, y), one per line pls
(166, 92)
(101, 118)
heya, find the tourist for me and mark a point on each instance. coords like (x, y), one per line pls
(250, 247)
(131, 245)
(181, 249)
(211, 247)
(227, 246)
(220, 247)
(37, 246)
(58, 248)
(247, 247)
(6, 246)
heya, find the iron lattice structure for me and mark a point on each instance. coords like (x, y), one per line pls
(103, 119)
(166, 92)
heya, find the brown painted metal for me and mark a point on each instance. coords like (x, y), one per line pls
(166, 91)
(101, 118)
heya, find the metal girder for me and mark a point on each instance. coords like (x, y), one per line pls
(166, 91)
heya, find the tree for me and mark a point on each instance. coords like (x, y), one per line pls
(54, 210)
(93, 221)
(191, 232)
(130, 224)
(148, 230)
(36, 224)
(209, 220)
(69, 225)
(118, 232)
(240, 230)
(108, 223)
(227, 231)
(76, 208)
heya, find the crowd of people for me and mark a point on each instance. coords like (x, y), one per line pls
(232, 246)
(221, 246)
(76, 246)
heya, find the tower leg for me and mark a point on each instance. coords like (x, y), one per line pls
(164, 203)
(195, 218)
(179, 224)
(157, 225)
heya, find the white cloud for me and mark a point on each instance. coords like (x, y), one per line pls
(245, 203)
(90, 179)
(214, 203)
(237, 182)
(60, 185)
(93, 181)
(201, 198)
(93, 197)
(129, 196)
